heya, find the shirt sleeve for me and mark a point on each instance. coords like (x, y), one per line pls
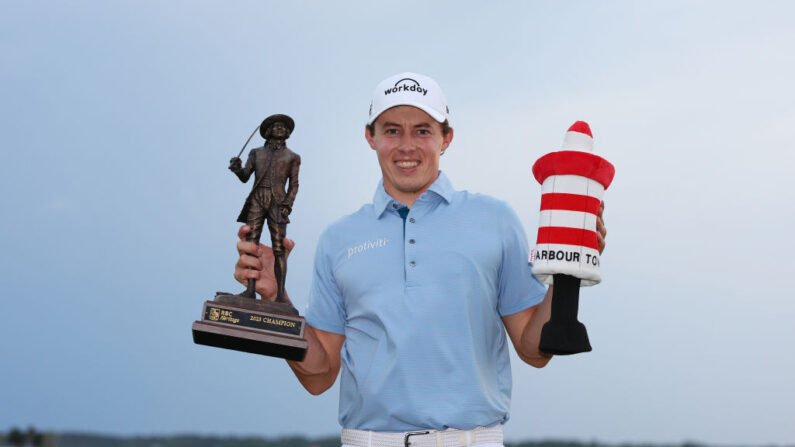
(326, 310)
(519, 288)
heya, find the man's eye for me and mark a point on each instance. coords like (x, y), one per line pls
(391, 131)
(423, 132)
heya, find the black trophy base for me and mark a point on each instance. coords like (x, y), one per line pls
(564, 339)
(252, 325)
(563, 334)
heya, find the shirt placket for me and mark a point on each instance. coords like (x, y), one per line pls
(412, 243)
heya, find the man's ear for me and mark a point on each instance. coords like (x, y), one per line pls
(369, 137)
(447, 140)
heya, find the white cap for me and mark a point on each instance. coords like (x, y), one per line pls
(409, 89)
(578, 138)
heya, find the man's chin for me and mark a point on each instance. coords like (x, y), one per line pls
(410, 188)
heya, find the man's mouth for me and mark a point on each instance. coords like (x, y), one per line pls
(407, 164)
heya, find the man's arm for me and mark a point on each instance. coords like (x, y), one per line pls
(524, 328)
(319, 369)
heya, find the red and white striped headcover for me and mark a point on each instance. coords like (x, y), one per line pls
(573, 181)
(578, 138)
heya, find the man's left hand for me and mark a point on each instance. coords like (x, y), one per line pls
(601, 231)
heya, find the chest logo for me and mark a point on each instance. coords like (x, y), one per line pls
(367, 245)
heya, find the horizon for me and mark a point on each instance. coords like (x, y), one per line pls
(332, 438)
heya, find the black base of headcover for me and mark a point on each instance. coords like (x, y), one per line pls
(563, 334)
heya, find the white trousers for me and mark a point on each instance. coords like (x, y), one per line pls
(480, 437)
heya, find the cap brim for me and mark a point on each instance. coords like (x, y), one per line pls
(438, 117)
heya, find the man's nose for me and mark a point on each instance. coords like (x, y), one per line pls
(406, 141)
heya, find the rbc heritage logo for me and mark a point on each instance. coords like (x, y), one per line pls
(408, 85)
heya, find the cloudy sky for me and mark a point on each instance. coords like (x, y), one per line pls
(118, 120)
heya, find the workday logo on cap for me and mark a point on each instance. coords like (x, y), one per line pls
(410, 89)
(406, 85)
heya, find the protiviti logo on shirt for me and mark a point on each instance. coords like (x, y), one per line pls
(406, 85)
(367, 245)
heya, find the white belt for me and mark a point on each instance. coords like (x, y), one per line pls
(423, 438)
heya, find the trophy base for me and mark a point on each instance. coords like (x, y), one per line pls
(563, 334)
(564, 339)
(253, 326)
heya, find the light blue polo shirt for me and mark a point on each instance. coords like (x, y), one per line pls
(420, 308)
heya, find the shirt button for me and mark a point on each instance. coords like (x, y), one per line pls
(413, 264)
(394, 205)
(411, 241)
(411, 219)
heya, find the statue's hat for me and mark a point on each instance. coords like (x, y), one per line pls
(277, 118)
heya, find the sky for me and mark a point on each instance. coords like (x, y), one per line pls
(118, 119)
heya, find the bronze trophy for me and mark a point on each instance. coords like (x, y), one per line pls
(241, 321)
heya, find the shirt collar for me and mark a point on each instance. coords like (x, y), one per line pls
(441, 187)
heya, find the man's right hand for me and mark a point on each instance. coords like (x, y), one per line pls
(319, 370)
(256, 262)
(235, 164)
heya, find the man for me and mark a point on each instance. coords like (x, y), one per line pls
(274, 165)
(412, 295)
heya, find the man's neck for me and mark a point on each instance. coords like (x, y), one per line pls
(407, 198)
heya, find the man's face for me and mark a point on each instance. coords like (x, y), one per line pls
(408, 143)
(279, 131)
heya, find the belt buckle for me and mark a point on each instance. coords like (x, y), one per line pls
(413, 433)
